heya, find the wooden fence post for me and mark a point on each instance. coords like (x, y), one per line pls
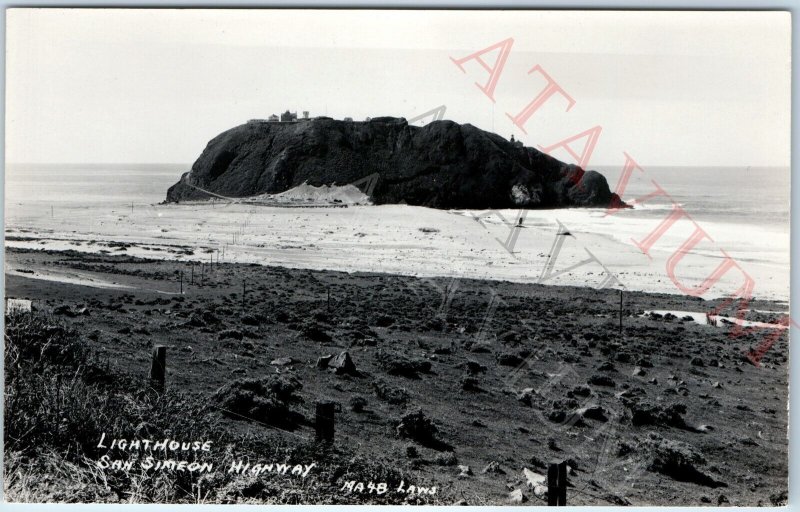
(158, 368)
(557, 485)
(324, 421)
(552, 485)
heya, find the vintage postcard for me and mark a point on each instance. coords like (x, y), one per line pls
(397, 257)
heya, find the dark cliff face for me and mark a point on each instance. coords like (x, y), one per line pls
(441, 165)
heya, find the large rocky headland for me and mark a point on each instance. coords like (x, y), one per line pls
(440, 165)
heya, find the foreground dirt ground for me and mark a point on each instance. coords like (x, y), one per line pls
(513, 376)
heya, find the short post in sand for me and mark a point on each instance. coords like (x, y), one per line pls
(324, 422)
(158, 368)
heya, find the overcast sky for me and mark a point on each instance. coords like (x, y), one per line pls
(670, 88)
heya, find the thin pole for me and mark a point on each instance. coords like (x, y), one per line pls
(324, 421)
(562, 484)
(552, 485)
(158, 368)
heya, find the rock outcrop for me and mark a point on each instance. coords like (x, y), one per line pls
(440, 165)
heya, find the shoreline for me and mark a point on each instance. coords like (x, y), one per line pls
(122, 283)
(412, 241)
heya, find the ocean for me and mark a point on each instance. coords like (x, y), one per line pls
(756, 196)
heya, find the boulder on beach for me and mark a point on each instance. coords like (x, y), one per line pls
(440, 165)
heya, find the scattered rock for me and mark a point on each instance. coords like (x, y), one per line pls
(678, 460)
(343, 364)
(494, 468)
(583, 391)
(602, 380)
(389, 393)
(644, 363)
(607, 367)
(465, 471)
(516, 497)
(526, 396)
(398, 365)
(592, 412)
(418, 427)
(535, 481)
(643, 413)
(324, 361)
(282, 361)
(509, 359)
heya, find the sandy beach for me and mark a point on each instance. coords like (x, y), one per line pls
(415, 241)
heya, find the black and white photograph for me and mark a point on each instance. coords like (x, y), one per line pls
(397, 256)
